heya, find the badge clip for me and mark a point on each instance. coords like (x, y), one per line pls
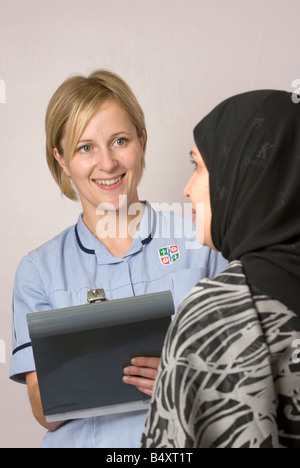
(96, 295)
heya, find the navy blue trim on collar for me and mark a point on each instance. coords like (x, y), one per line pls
(19, 348)
(92, 252)
(88, 251)
(147, 241)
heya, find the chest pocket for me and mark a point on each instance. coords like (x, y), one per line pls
(61, 299)
(183, 281)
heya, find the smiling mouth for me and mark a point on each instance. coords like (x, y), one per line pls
(109, 182)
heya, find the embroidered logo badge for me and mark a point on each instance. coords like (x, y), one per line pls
(169, 254)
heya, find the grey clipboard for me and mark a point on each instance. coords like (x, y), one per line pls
(80, 353)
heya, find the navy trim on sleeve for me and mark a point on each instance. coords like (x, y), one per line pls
(19, 348)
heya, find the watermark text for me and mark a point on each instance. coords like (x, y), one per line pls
(2, 352)
(296, 353)
(123, 220)
(296, 93)
(2, 92)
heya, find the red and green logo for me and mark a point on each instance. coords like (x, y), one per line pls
(169, 254)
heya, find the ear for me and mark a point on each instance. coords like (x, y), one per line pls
(143, 139)
(61, 161)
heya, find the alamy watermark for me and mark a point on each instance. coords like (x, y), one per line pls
(2, 352)
(123, 221)
(2, 92)
(2, 342)
(296, 93)
(296, 353)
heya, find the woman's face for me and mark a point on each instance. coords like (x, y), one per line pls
(197, 190)
(107, 159)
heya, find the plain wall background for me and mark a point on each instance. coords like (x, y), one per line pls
(181, 58)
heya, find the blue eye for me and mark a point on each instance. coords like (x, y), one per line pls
(120, 141)
(85, 148)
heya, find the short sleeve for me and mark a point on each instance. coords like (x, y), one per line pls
(28, 296)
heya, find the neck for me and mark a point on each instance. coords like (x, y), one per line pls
(115, 227)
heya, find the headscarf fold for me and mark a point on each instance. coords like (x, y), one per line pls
(250, 144)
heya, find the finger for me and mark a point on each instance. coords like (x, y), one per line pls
(151, 362)
(144, 390)
(146, 384)
(146, 372)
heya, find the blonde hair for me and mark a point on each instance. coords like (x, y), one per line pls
(80, 97)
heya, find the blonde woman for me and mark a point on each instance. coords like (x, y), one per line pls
(96, 141)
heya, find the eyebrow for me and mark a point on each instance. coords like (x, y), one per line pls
(114, 135)
(87, 140)
(119, 133)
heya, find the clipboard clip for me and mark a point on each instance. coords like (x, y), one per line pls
(96, 295)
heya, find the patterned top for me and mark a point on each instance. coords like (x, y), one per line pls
(230, 374)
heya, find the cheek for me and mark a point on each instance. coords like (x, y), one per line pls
(81, 168)
(132, 162)
(206, 202)
(200, 190)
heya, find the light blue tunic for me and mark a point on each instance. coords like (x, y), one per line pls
(59, 274)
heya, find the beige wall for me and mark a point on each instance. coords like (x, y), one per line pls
(181, 57)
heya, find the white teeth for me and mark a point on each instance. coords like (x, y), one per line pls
(109, 182)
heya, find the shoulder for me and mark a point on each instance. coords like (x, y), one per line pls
(52, 247)
(231, 279)
(45, 257)
(213, 316)
(213, 297)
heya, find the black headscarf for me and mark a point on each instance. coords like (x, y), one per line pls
(250, 144)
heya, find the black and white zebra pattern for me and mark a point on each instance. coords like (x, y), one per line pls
(227, 378)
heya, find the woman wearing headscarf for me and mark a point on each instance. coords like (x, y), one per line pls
(230, 372)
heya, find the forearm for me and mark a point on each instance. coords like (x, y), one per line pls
(36, 404)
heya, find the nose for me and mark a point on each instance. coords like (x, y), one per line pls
(186, 190)
(106, 161)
